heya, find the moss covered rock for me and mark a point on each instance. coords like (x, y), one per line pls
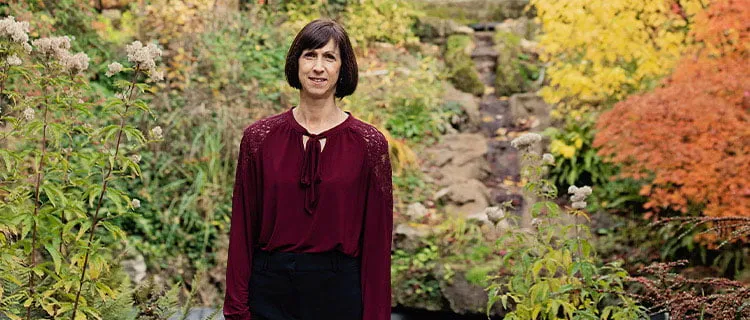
(516, 70)
(461, 70)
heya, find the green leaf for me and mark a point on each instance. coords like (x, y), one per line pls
(56, 257)
(53, 193)
(134, 133)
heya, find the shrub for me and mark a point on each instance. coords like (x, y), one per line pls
(461, 70)
(553, 276)
(515, 70)
(599, 52)
(689, 137)
(63, 179)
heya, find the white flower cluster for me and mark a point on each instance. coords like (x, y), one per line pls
(526, 140)
(113, 68)
(157, 133)
(54, 47)
(16, 30)
(579, 196)
(135, 203)
(14, 60)
(75, 63)
(144, 57)
(136, 158)
(28, 114)
(57, 47)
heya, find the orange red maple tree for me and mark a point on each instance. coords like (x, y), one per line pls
(690, 138)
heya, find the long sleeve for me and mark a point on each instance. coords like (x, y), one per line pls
(375, 274)
(239, 262)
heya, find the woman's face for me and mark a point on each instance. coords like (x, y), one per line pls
(319, 70)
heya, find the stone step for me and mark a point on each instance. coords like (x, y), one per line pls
(484, 52)
(484, 36)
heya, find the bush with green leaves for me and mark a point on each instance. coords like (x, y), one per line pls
(577, 163)
(461, 70)
(554, 270)
(63, 177)
(515, 71)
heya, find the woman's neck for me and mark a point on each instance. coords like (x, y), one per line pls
(317, 115)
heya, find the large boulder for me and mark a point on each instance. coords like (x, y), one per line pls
(459, 157)
(470, 119)
(465, 198)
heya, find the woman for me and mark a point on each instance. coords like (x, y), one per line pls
(312, 209)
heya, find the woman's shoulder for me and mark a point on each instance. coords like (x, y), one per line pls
(256, 132)
(374, 140)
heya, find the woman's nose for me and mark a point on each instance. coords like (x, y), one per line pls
(318, 66)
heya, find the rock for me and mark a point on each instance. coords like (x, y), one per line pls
(459, 157)
(464, 297)
(509, 71)
(463, 199)
(135, 268)
(408, 236)
(527, 105)
(434, 28)
(522, 27)
(494, 214)
(416, 211)
(469, 104)
(466, 147)
(460, 29)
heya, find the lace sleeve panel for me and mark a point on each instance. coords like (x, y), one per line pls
(378, 159)
(257, 132)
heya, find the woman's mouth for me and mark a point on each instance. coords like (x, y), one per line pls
(317, 80)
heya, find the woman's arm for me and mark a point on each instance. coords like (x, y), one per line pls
(376, 236)
(239, 262)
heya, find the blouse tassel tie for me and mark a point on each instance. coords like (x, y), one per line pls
(311, 172)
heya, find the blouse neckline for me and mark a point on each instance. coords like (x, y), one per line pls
(299, 128)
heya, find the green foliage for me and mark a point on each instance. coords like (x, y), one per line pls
(515, 70)
(413, 277)
(577, 163)
(554, 275)
(243, 53)
(380, 20)
(422, 266)
(410, 187)
(478, 275)
(413, 120)
(461, 70)
(186, 194)
(66, 166)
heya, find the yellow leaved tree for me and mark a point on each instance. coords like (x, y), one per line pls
(598, 52)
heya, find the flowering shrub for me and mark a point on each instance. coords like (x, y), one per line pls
(552, 275)
(62, 179)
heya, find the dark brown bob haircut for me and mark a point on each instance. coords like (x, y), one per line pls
(315, 35)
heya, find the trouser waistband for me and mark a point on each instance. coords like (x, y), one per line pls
(303, 261)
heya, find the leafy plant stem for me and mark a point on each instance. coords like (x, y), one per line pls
(105, 181)
(39, 177)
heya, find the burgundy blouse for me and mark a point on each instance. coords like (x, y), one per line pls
(295, 199)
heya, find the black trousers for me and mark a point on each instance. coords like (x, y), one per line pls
(305, 286)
